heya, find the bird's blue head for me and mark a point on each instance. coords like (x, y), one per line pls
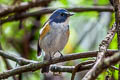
(60, 15)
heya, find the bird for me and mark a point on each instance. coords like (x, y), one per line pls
(54, 35)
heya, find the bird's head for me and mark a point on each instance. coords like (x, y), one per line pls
(60, 15)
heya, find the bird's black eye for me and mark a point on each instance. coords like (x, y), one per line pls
(62, 14)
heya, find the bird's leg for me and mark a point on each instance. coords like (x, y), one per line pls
(54, 53)
(61, 55)
(50, 56)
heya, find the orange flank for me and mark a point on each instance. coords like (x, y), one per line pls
(45, 30)
(68, 33)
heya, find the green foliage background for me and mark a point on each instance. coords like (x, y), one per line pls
(12, 37)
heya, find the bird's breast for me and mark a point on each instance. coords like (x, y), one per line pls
(60, 26)
(57, 37)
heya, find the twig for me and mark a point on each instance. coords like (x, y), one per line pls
(55, 68)
(8, 66)
(23, 6)
(116, 5)
(100, 58)
(78, 66)
(115, 68)
(35, 66)
(69, 69)
(49, 10)
(19, 60)
(106, 64)
(29, 67)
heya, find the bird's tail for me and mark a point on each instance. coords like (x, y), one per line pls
(46, 68)
(38, 49)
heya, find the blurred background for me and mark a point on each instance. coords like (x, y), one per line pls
(87, 30)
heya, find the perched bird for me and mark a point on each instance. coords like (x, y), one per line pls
(54, 35)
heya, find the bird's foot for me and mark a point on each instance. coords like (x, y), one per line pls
(57, 73)
(50, 58)
(61, 55)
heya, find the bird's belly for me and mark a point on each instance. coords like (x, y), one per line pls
(60, 42)
(54, 41)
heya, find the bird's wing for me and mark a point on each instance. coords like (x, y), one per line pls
(43, 32)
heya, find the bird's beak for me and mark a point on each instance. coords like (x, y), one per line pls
(71, 14)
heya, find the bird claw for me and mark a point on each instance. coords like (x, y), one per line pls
(61, 55)
(50, 58)
(57, 73)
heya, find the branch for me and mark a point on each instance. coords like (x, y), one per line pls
(106, 64)
(115, 68)
(23, 6)
(73, 56)
(29, 67)
(116, 5)
(78, 66)
(49, 10)
(38, 65)
(34, 66)
(69, 68)
(91, 75)
(8, 66)
(19, 60)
